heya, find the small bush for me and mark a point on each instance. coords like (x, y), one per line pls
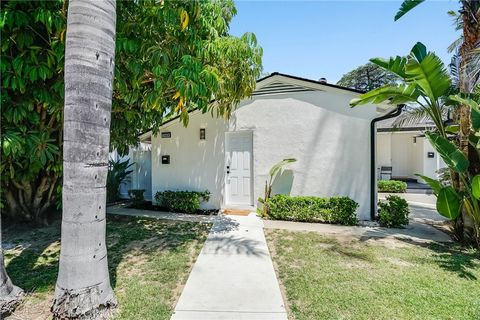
(136, 195)
(181, 201)
(393, 213)
(393, 186)
(339, 210)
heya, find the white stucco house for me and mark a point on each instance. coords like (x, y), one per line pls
(406, 150)
(286, 117)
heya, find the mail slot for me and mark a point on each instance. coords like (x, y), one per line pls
(166, 159)
(430, 154)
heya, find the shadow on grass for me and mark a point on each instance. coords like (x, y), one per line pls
(452, 257)
(130, 235)
(36, 267)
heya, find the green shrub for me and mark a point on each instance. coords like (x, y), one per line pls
(339, 210)
(136, 195)
(393, 186)
(393, 213)
(182, 201)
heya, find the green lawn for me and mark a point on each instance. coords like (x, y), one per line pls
(327, 279)
(149, 260)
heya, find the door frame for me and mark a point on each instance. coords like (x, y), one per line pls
(252, 191)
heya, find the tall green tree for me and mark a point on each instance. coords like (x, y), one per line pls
(32, 105)
(179, 60)
(172, 57)
(367, 77)
(83, 289)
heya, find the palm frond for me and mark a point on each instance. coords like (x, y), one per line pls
(412, 116)
(406, 6)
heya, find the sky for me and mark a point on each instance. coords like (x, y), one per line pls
(315, 39)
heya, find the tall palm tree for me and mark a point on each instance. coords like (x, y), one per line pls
(10, 294)
(83, 287)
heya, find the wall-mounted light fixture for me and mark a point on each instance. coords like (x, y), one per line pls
(202, 133)
(414, 139)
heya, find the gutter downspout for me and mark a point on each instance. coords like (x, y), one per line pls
(373, 169)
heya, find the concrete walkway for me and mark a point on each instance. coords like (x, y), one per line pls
(122, 209)
(233, 277)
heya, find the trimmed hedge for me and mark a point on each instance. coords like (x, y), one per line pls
(393, 213)
(393, 186)
(182, 201)
(339, 210)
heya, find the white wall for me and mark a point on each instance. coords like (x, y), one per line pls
(194, 164)
(407, 158)
(329, 140)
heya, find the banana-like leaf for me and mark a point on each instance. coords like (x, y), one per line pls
(395, 65)
(474, 141)
(392, 94)
(419, 51)
(474, 106)
(453, 157)
(454, 128)
(476, 186)
(406, 6)
(448, 203)
(434, 184)
(430, 75)
(279, 166)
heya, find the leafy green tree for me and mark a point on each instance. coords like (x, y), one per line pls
(179, 60)
(32, 102)
(367, 77)
(171, 57)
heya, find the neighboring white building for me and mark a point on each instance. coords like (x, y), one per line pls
(407, 151)
(286, 117)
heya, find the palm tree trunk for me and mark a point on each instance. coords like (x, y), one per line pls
(10, 295)
(83, 287)
(471, 39)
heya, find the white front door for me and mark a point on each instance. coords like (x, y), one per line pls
(238, 162)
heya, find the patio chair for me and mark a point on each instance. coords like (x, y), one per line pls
(385, 173)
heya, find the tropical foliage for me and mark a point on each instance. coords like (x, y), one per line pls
(171, 57)
(425, 82)
(368, 77)
(118, 174)
(33, 35)
(180, 59)
(272, 175)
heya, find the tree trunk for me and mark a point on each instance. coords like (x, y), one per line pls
(471, 39)
(10, 295)
(83, 288)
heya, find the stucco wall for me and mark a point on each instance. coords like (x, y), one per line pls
(329, 140)
(194, 164)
